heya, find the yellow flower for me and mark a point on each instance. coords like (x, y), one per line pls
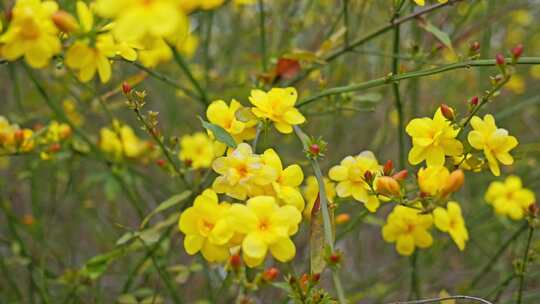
(423, 2)
(311, 192)
(225, 116)
(285, 187)
(31, 33)
(278, 106)
(516, 84)
(450, 220)
(266, 226)
(188, 46)
(438, 181)
(71, 111)
(350, 177)
(14, 139)
(495, 142)
(191, 5)
(120, 141)
(432, 139)
(154, 51)
(242, 173)
(199, 150)
(57, 131)
(206, 227)
(408, 229)
(509, 197)
(535, 71)
(137, 19)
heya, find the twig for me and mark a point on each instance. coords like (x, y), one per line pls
(524, 263)
(185, 68)
(262, 21)
(438, 300)
(395, 86)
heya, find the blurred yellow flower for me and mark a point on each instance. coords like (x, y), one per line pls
(509, 198)
(14, 139)
(31, 33)
(277, 105)
(432, 139)
(311, 192)
(206, 227)
(266, 226)
(450, 220)
(120, 141)
(423, 2)
(535, 71)
(516, 84)
(350, 177)
(199, 150)
(408, 229)
(495, 142)
(242, 173)
(438, 181)
(223, 115)
(57, 131)
(285, 187)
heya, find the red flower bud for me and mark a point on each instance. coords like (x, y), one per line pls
(271, 274)
(335, 258)
(388, 167)
(447, 112)
(316, 277)
(126, 88)
(160, 162)
(235, 261)
(368, 177)
(315, 149)
(517, 51)
(533, 209)
(475, 46)
(499, 58)
(474, 101)
(54, 147)
(401, 175)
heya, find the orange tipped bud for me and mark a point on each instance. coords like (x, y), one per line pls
(342, 218)
(235, 261)
(474, 101)
(401, 175)
(271, 274)
(315, 277)
(517, 51)
(447, 112)
(388, 167)
(388, 186)
(454, 182)
(65, 22)
(126, 88)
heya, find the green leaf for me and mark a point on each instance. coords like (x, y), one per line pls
(439, 34)
(168, 203)
(220, 133)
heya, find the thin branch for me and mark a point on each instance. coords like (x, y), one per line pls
(524, 263)
(185, 68)
(438, 300)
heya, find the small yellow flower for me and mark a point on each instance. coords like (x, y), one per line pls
(206, 227)
(199, 150)
(285, 187)
(495, 142)
(408, 229)
(311, 192)
(120, 141)
(31, 33)
(438, 181)
(224, 115)
(57, 131)
(277, 105)
(266, 226)
(509, 197)
(242, 173)
(350, 177)
(432, 139)
(154, 51)
(14, 139)
(516, 84)
(450, 220)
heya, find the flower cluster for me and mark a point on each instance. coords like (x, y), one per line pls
(120, 142)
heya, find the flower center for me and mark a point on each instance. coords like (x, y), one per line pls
(264, 225)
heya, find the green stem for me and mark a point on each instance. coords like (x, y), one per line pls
(485, 270)
(208, 38)
(415, 285)
(7, 275)
(346, 21)
(395, 85)
(185, 68)
(524, 263)
(416, 74)
(262, 21)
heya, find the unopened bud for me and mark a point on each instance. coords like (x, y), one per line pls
(447, 112)
(533, 209)
(316, 277)
(499, 58)
(454, 182)
(475, 47)
(55, 147)
(401, 175)
(388, 167)
(271, 274)
(474, 101)
(304, 280)
(126, 88)
(65, 22)
(335, 258)
(315, 149)
(19, 136)
(517, 51)
(235, 261)
(342, 218)
(160, 162)
(388, 186)
(368, 177)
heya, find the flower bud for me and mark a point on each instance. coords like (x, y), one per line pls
(126, 88)
(335, 258)
(19, 136)
(65, 22)
(388, 167)
(401, 175)
(475, 47)
(315, 149)
(271, 274)
(54, 147)
(28, 219)
(235, 261)
(342, 218)
(474, 101)
(533, 209)
(160, 162)
(499, 58)
(517, 51)
(368, 177)
(454, 182)
(316, 277)
(388, 186)
(447, 112)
